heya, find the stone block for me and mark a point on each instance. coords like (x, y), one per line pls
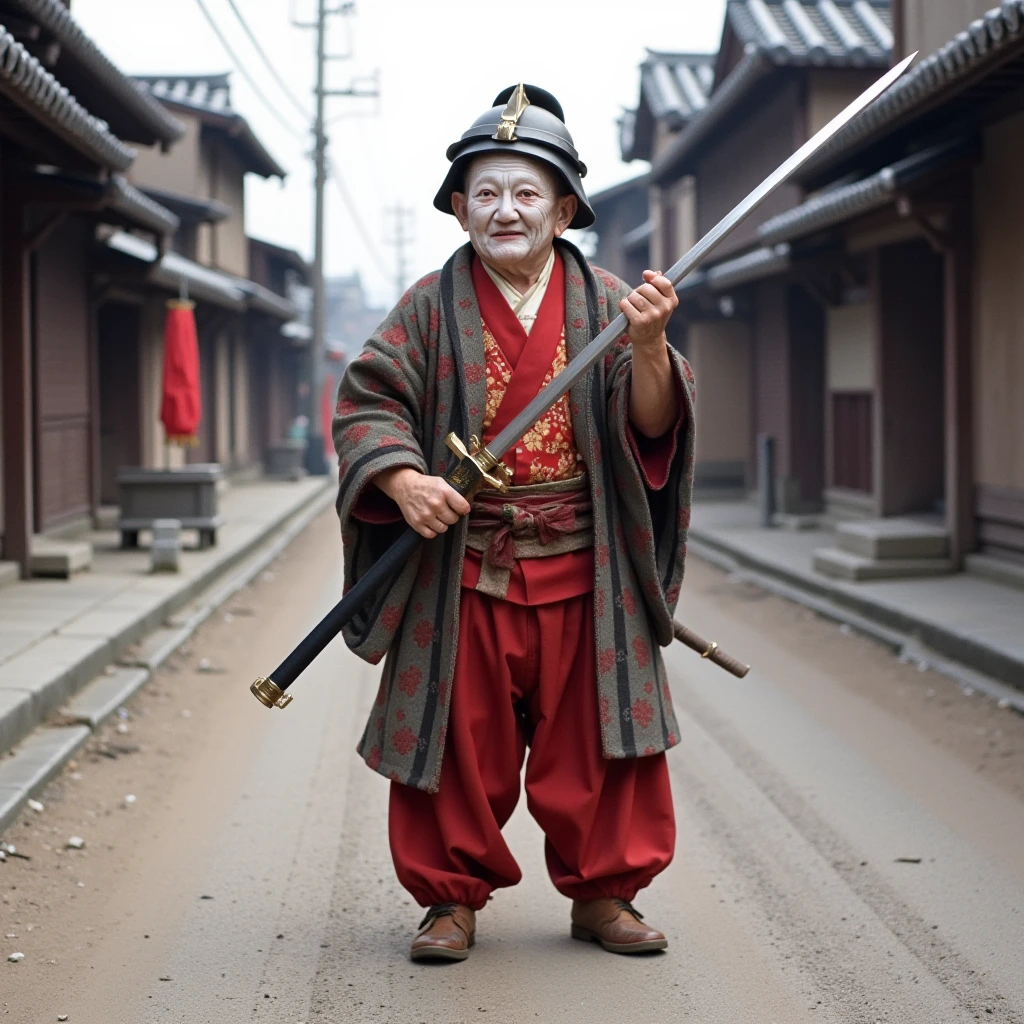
(9, 573)
(165, 548)
(893, 539)
(999, 570)
(844, 565)
(60, 558)
(284, 460)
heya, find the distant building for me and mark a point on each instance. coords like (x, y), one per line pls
(623, 229)
(239, 313)
(350, 320)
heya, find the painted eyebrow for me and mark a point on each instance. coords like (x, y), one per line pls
(531, 183)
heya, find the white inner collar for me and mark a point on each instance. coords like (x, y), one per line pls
(525, 305)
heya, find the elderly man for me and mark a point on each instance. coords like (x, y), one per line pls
(532, 619)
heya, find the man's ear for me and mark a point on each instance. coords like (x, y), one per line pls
(567, 206)
(461, 210)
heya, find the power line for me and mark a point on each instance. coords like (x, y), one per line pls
(353, 210)
(299, 106)
(241, 68)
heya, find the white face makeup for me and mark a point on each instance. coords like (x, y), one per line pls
(513, 211)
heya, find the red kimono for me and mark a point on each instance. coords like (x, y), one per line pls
(525, 679)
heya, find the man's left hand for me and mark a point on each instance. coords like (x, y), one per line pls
(648, 309)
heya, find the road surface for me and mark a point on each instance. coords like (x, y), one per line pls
(851, 847)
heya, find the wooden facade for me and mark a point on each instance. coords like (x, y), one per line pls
(763, 105)
(86, 264)
(880, 295)
(60, 173)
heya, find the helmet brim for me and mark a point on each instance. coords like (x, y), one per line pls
(455, 178)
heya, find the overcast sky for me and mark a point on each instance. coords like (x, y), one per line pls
(441, 62)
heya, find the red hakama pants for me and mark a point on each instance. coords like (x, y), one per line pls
(525, 679)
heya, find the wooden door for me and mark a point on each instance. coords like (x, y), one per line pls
(63, 386)
(852, 462)
(120, 383)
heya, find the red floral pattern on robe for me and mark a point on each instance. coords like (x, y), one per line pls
(550, 441)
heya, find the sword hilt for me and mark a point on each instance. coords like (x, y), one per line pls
(477, 468)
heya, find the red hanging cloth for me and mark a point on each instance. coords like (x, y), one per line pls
(181, 408)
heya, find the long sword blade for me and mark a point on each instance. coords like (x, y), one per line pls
(597, 348)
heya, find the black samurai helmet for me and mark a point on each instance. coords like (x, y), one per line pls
(527, 120)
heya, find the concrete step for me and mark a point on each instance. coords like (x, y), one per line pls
(845, 565)
(9, 573)
(1000, 570)
(61, 558)
(104, 695)
(798, 522)
(885, 539)
(33, 763)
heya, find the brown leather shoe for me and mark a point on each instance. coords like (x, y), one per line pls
(446, 933)
(616, 925)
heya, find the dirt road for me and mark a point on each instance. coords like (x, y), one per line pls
(851, 847)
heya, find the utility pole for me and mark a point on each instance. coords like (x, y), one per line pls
(316, 463)
(400, 238)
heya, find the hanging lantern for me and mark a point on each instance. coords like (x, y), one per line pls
(181, 409)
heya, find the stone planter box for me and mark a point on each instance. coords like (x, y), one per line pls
(188, 494)
(285, 459)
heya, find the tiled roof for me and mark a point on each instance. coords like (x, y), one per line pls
(673, 87)
(751, 266)
(28, 84)
(170, 269)
(677, 85)
(205, 92)
(126, 199)
(81, 60)
(845, 202)
(774, 33)
(986, 44)
(209, 96)
(838, 32)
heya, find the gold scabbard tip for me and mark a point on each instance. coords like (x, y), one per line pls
(268, 693)
(712, 647)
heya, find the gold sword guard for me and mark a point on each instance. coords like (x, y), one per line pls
(477, 468)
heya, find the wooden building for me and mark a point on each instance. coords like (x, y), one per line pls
(753, 331)
(208, 259)
(623, 229)
(276, 351)
(96, 235)
(920, 204)
(868, 318)
(61, 174)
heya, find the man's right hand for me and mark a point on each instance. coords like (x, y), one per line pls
(429, 504)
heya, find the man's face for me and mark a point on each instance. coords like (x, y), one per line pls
(512, 209)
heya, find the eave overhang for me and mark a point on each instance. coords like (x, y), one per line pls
(88, 73)
(846, 202)
(29, 86)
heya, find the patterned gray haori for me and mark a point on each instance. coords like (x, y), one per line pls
(422, 375)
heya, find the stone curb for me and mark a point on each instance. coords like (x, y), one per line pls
(47, 695)
(42, 754)
(39, 759)
(877, 620)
